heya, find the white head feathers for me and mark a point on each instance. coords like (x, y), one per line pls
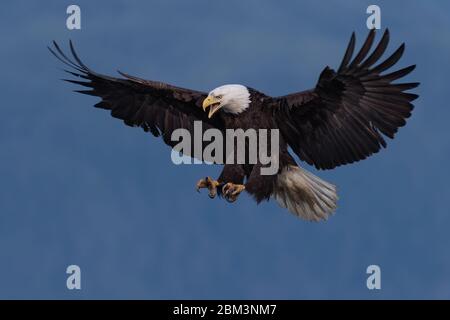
(234, 98)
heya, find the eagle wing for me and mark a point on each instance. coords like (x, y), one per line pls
(154, 106)
(343, 119)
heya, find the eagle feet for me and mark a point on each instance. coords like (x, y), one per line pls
(231, 191)
(210, 184)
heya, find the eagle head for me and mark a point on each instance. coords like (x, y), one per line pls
(232, 98)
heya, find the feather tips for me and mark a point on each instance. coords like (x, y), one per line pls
(352, 108)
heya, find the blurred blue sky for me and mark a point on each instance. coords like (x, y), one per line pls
(78, 187)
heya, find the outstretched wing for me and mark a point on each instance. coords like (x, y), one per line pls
(344, 118)
(154, 106)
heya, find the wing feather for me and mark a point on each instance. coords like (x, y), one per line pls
(343, 119)
(154, 106)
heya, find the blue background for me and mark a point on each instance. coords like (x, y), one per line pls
(78, 187)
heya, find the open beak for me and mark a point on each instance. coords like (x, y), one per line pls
(213, 105)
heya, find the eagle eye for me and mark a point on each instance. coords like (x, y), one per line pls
(219, 97)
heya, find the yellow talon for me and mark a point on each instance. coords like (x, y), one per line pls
(210, 184)
(232, 191)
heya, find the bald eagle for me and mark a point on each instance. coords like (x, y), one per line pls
(343, 119)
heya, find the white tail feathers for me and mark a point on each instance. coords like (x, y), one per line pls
(304, 194)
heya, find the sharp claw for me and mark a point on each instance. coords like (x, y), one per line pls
(237, 191)
(210, 184)
(200, 184)
(225, 188)
(232, 191)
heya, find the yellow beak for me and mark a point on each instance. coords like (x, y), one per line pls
(210, 102)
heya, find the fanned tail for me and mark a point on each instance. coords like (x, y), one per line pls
(305, 194)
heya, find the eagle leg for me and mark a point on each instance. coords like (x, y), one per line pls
(210, 184)
(232, 191)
